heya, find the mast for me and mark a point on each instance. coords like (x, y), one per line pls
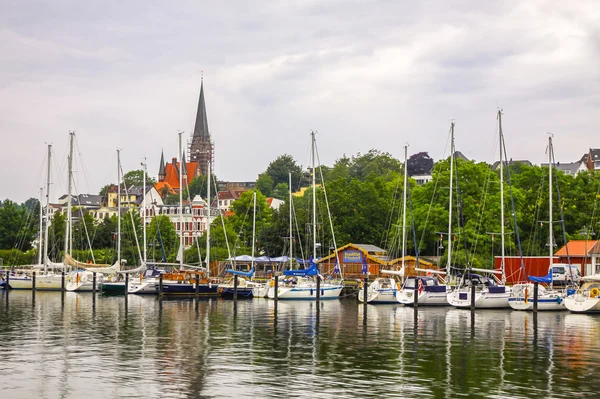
(314, 199)
(208, 175)
(253, 229)
(449, 262)
(551, 238)
(501, 196)
(180, 251)
(47, 210)
(68, 244)
(119, 208)
(39, 262)
(291, 233)
(404, 208)
(144, 210)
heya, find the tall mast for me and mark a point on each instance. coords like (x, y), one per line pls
(208, 175)
(291, 233)
(119, 208)
(501, 194)
(47, 210)
(314, 187)
(39, 262)
(68, 245)
(144, 211)
(404, 207)
(449, 262)
(551, 238)
(253, 228)
(180, 252)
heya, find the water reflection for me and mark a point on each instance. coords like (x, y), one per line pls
(82, 345)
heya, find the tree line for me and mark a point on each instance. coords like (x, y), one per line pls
(365, 195)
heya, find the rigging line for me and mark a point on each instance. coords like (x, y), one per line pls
(298, 230)
(461, 216)
(84, 223)
(84, 168)
(560, 208)
(514, 211)
(390, 218)
(438, 173)
(533, 233)
(131, 217)
(412, 219)
(221, 215)
(327, 205)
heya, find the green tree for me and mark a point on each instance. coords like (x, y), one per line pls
(160, 231)
(265, 184)
(136, 178)
(105, 189)
(18, 226)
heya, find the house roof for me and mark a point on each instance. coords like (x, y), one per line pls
(496, 164)
(595, 154)
(372, 252)
(229, 194)
(161, 184)
(410, 258)
(578, 248)
(571, 167)
(172, 173)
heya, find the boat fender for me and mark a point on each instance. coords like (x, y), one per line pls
(594, 292)
(322, 292)
(558, 300)
(311, 292)
(272, 283)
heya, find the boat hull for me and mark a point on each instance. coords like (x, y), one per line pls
(190, 289)
(242, 292)
(406, 297)
(582, 304)
(260, 292)
(42, 283)
(143, 288)
(378, 296)
(306, 293)
(483, 299)
(113, 288)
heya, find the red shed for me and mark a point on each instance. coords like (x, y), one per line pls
(534, 266)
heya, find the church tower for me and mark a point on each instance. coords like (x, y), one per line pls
(201, 147)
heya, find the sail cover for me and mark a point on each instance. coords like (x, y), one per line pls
(248, 274)
(542, 279)
(311, 271)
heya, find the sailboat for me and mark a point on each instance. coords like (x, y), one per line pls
(488, 293)
(522, 295)
(46, 280)
(430, 292)
(385, 289)
(302, 284)
(182, 282)
(245, 285)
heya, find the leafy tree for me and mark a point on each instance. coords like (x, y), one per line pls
(281, 191)
(198, 187)
(18, 227)
(419, 164)
(136, 178)
(160, 231)
(265, 184)
(105, 188)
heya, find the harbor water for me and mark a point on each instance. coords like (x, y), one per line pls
(89, 346)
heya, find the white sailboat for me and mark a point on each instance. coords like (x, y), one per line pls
(47, 280)
(488, 294)
(522, 295)
(302, 284)
(587, 298)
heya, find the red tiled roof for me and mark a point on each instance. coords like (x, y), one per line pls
(172, 175)
(159, 187)
(229, 194)
(577, 248)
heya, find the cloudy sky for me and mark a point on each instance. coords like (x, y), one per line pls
(365, 74)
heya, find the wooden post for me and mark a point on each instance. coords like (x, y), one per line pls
(94, 282)
(235, 286)
(276, 288)
(160, 285)
(535, 296)
(197, 284)
(472, 296)
(318, 288)
(33, 281)
(126, 283)
(416, 293)
(7, 287)
(62, 282)
(365, 295)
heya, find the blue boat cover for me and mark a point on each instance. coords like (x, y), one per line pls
(542, 279)
(248, 274)
(311, 271)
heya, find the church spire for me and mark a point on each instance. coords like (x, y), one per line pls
(201, 127)
(161, 167)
